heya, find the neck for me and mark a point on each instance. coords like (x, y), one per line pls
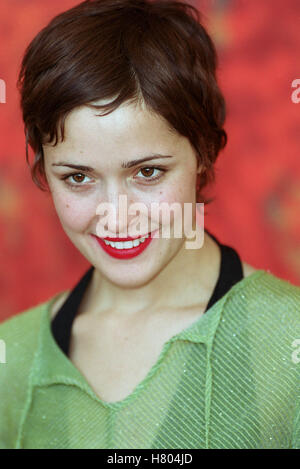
(186, 281)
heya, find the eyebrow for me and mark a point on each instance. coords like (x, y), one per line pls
(124, 165)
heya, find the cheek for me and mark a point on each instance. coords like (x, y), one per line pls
(174, 195)
(181, 191)
(75, 213)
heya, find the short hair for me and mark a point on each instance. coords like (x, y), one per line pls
(152, 52)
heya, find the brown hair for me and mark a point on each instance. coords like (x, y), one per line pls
(155, 52)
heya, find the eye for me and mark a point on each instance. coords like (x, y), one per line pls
(75, 179)
(148, 171)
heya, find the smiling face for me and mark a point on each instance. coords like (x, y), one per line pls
(95, 164)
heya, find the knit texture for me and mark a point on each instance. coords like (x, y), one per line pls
(230, 380)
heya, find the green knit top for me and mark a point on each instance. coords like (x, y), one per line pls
(229, 380)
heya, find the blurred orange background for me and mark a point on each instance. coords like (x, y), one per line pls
(257, 186)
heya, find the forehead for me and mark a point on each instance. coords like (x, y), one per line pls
(128, 124)
(129, 132)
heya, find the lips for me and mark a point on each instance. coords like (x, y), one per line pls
(123, 253)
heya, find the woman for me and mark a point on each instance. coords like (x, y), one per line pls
(158, 345)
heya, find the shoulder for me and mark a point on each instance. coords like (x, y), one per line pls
(20, 333)
(25, 324)
(266, 302)
(19, 337)
(263, 286)
(278, 290)
(25, 319)
(21, 330)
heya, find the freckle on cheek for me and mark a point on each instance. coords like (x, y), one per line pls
(68, 206)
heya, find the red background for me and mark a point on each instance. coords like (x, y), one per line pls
(257, 189)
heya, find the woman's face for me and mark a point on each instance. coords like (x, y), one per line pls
(97, 147)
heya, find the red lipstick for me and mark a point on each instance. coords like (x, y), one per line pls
(124, 253)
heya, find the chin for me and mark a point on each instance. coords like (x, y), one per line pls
(130, 281)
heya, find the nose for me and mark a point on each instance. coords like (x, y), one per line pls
(115, 217)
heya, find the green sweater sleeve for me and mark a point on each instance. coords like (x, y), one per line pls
(20, 335)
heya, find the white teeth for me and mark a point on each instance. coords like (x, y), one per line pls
(126, 244)
(135, 242)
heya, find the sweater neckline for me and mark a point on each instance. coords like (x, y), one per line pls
(52, 366)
